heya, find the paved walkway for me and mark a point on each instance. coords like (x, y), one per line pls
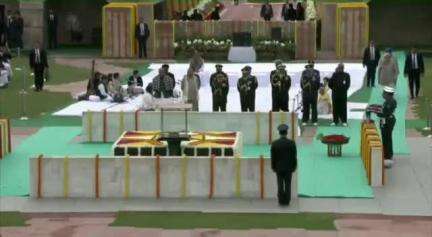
(408, 191)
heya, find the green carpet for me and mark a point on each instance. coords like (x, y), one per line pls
(321, 176)
(239, 221)
(50, 141)
(318, 175)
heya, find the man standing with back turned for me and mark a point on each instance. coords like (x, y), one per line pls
(284, 163)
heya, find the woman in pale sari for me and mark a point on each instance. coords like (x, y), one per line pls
(190, 86)
(388, 70)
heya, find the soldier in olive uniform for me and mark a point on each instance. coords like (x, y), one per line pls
(310, 84)
(220, 88)
(281, 83)
(247, 86)
(387, 123)
(284, 163)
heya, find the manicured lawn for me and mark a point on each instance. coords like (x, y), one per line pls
(192, 220)
(40, 103)
(11, 219)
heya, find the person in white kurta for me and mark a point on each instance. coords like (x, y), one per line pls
(388, 70)
(190, 87)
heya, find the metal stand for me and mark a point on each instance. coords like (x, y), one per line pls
(23, 94)
(429, 116)
(185, 108)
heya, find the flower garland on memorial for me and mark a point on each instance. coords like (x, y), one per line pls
(219, 48)
(333, 139)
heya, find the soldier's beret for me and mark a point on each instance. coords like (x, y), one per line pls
(278, 62)
(281, 66)
(247, 68)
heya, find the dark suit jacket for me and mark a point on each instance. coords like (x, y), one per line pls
(408, 63)
(52, 24)
(138, 32)
(367, 60)
(172, 78)
(16, 28)
(139, 81)
(263, 12)
(283, 155)
(43, 60)
(196, 17)
(339, 83)
(288, 14)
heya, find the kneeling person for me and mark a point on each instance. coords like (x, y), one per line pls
(220, 88)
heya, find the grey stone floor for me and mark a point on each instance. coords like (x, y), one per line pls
(408, 191)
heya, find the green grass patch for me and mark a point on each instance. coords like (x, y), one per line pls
(11, 219)
(238, 221)
(38, 103)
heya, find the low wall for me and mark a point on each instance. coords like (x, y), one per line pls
(256, 128)
(176, 177)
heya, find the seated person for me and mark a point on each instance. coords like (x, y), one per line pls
(148, 97)
(4, 74)
(93, 93)
(115, 89)
(162, 85)
(5, 56)
(102, 90)
(135, 84)
(324, 99)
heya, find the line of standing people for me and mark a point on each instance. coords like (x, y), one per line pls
(11, 30)
(291, 11)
